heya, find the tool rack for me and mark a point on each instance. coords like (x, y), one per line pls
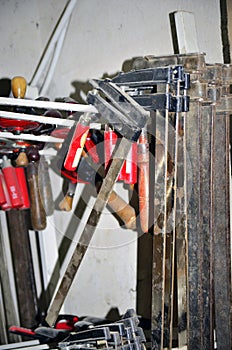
(182, 106)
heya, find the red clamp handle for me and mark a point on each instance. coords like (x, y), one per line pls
(12, 183)
(76, 147)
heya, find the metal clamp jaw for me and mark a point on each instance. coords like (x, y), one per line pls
(142, 83)
(122, 111)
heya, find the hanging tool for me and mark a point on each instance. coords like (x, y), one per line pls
(12, 183)
(38, 214)
(45, 188)
(135, 118)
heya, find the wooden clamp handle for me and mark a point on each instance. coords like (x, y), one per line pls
(123, 210)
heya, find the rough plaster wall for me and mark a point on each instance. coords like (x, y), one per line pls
(101, 36)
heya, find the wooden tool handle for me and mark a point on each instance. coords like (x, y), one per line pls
(22, 159)
(45, 187)
(18, 87)
(123, 210)
(38, 215)
(67, 202)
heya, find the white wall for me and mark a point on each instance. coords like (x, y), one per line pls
(101, 36)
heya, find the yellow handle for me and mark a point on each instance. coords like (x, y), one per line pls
(18, 87)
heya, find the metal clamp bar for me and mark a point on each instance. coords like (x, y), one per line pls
(151, 77)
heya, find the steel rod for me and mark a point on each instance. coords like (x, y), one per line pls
(64, 106)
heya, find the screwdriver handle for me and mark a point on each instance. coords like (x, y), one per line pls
(45, 186)
(67, 202)
(22, 159)
(38, 215)
(18, 87)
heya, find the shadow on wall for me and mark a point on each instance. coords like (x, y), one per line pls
(82, 88)
(5, 87)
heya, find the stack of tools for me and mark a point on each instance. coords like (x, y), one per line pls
(164, 127)
(124, 334)
(71, 332)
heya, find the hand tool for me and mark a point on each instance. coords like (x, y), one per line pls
(12, 183)
(8, 309)
(45, 188)
(13, 149)
(136, 118)
(18, 226)
(66, 203)
(21, 162)
(38, 214)
(18, 87)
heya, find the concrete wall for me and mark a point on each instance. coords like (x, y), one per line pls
(102, 34)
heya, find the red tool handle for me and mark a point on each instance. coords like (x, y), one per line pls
(12, 183)
(20, 172)
(128, 173)
(7, 205)
(76, 147)
(2, 193)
